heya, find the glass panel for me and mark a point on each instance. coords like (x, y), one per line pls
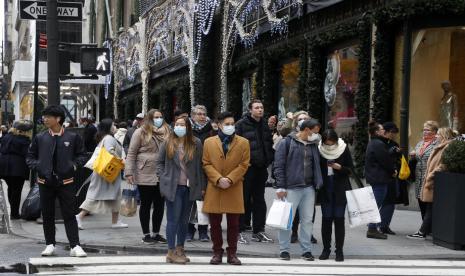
(437, 85)
(249, 90)
(289, 98)
(341, 85)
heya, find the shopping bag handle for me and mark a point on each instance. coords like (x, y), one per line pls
(357, 179)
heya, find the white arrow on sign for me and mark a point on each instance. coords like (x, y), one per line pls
(34, 11)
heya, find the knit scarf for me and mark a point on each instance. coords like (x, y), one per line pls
(335, 153)
(225, 141)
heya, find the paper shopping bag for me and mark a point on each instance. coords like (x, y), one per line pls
(280, 215)
(361, 207)
(202, 218)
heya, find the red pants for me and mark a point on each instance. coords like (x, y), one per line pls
(217, 235)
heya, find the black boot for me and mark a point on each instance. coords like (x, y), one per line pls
(326, 232)
(339, 233)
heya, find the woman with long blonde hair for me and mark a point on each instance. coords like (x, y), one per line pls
(182, 181)
(140, 170)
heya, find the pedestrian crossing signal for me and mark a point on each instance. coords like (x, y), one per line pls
(95, 61)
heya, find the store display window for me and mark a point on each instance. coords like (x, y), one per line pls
(289, 97)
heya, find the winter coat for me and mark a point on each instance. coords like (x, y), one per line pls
(127, 139)
(379, 164)
(260, 140)
(71, 155)
(89, 137)
(233, 167)
(99, 188)
(293, 161)
(421, 163)
(434, 165)
(341, 182)
(204, 132)
(398, 191)
(142, 156)
(169, 170)
(120, 134)
(13, 151)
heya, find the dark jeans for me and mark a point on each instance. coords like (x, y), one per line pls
(66, 197)
(217, 233)
(15, 186)
(385, 210)
(177, 215)
(422, 208)
(150, 195)
(426, 226)
(254, 198)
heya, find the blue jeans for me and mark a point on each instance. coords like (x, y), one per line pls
(380, 192)
(304, 200)
(177, 216)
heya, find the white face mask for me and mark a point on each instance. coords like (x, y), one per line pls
(313, 137)
(158, 122)
(229, 130)
(299, 123)
(180, 131)
(330, 148)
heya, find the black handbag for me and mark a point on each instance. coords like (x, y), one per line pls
(31, 206)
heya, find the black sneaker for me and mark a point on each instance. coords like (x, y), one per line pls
(417, 236)
(248, 228)
(148, 239)
(242, 239)
(203, 237)
(262, 237)
(313, 240)
(285, 256)
(387, 230)
(189, 237)
(308, 256)
(159, 238)
(375, 234)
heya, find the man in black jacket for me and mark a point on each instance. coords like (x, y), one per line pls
(89, 134)
(127, 139)
(55, 154)
(202, 129)
(254, 128)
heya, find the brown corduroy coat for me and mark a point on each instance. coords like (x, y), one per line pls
(433, 166)
(233, 166)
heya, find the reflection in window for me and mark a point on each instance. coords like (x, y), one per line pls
(341, 85)
(289, 97)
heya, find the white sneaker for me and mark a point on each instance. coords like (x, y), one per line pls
(119, 224)
(48, 251)
(79, 222)
(77, 251)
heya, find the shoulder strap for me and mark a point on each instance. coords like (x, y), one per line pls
(356, 178)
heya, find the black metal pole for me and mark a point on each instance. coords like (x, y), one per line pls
(52, 54)
(405, 97)
(35, 115)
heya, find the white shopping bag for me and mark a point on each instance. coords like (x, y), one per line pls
(280, 215)
(202, 218)
(361, 207)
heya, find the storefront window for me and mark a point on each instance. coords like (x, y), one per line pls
(289, 98)
(249, 90)
(341, 85)
(437, 85)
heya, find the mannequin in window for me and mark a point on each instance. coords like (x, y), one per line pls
(449, 107)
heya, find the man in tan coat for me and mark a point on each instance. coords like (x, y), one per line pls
(226, 158)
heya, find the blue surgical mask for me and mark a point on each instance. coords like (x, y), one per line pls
(158, 122)
(229, 130)
(180, 131)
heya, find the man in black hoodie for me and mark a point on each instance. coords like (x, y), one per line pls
(254, 128)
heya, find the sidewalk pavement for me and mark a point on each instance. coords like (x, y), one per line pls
(99, 235)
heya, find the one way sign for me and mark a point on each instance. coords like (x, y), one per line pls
(37, 10)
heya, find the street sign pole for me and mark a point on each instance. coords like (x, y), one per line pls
(53, 74)
(35, 115)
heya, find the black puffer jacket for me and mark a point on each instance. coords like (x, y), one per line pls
(13, 153)
(260, 139)
(70, 156)
(379, 163)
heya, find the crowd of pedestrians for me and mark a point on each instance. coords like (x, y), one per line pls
(226, 166)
